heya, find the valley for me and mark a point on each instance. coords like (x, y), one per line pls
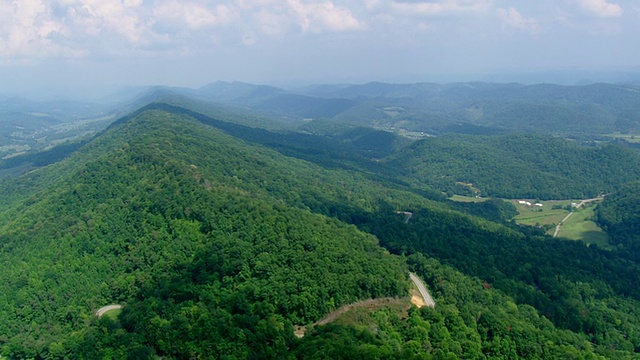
(225, 219)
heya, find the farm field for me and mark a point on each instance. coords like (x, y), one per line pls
(548, 215)
(580, 226)
(632, 138)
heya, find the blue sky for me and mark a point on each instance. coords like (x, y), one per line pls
(54, 44)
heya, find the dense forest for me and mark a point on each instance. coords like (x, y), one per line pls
(517, 166)
(220, 239)
(619, 215)
(139, 217)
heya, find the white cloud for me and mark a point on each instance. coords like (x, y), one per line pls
(41, 28)
(438, 7)
(192, 14)
(278, 17)
(271, 23)
(71, 28)
(601, 8)
(511, 17)
(113, 16)
(26, 29)
(132, 3)
(372, 4)
(325, 15)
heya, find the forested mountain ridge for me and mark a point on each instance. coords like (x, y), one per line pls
(518, 166)
(217, 245)
(123, 217)
(590, 111)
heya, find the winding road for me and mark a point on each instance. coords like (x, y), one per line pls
(428, 300)
(408, 213)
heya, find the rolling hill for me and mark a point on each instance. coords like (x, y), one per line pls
(161, 193)
(517, 166)
(219, 238)
(583, 111)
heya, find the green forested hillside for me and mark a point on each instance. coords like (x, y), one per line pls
(218, 240)
(135, 216)
(518, 166)
(578, 288)
(619, 215)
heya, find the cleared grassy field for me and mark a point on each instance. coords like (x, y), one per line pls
(580, 226)
(544, 215)
(113, 314)
(460, 198)
(632, 138)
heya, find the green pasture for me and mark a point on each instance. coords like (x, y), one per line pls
(544, 215)
(632, 138)
(580, 226)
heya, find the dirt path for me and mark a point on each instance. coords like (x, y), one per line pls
(421, 299)
(300, 331)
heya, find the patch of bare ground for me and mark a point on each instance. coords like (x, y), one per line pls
(360, 312)
(416, 298)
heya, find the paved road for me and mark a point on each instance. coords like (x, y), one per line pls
(408, 213)
(555, 233)
(104, 309)
(428, 300)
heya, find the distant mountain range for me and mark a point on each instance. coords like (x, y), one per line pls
(589, 110)
(412, 110)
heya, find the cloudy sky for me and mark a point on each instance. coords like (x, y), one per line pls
(82, 43)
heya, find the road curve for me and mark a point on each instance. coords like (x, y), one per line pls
(409, 214)
(428, 300)
(104, 309)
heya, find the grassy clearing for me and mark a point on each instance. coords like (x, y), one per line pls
(632, 138)
(580, 226)
(460, 198)
(548, 215)
(413, 135)
(364, 315)
(113, 314)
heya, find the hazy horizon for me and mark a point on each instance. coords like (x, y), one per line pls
(79, 47)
